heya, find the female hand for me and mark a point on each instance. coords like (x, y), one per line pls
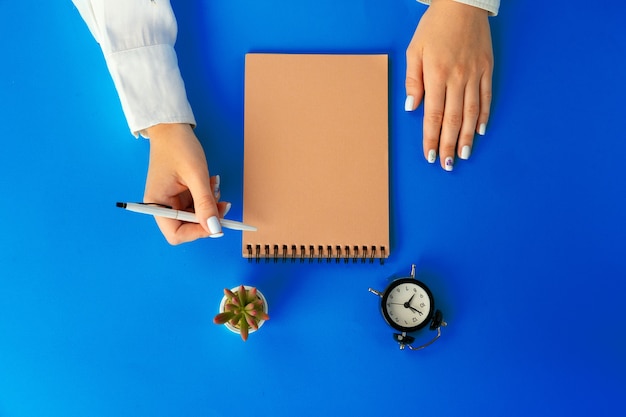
(449, 66)
(178, 176)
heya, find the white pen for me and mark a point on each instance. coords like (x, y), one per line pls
(185, 216)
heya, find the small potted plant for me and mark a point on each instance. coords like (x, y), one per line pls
(243, 310)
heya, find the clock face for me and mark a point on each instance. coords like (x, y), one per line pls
(407, 305)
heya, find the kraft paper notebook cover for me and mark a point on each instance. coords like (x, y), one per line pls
(316, 157)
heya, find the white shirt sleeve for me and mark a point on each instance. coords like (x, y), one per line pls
(492, 6)
(137, 39)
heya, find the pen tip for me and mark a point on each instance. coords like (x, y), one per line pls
(121, 205)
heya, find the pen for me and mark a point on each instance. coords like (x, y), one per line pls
(180, 215)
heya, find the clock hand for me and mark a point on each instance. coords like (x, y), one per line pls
(408, 305)
(416, 310)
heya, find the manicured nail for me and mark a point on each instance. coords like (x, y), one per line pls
(215, 227)
(409, 103)
(449, 164)
(216, 188)
(465, 152)
(482, 129)
(432, 156)
(227, 209)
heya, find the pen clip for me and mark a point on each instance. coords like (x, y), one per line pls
(156, 204)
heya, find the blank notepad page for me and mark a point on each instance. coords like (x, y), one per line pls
(316, 156)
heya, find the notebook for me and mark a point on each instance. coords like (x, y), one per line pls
(316, 157)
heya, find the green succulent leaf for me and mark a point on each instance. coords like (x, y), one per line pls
(229, 294)
(241, 295)
(251, 294)
(234, 321)
(243, 327)
(252, 323)
(230, 307)
(224, 317)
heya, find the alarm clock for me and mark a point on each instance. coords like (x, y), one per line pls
(407, 305)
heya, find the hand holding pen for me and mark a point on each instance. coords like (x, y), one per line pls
(178, 177)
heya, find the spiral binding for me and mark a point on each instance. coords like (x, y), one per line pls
(292, 253)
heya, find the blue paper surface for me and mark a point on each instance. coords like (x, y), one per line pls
(522, 245)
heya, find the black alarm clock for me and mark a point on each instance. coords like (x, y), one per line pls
(407, 305)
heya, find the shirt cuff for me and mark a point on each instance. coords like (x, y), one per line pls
(491, 6)
(150, 87)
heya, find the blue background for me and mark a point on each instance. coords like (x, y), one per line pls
(522, 245)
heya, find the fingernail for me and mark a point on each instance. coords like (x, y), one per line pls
(215, 227)
(449, 164)
(465, 152)
(227, 209)
(216, 188)
(432, 156)
(409, 103)
(482, 129)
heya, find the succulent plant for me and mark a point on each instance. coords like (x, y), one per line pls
(243, 309)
